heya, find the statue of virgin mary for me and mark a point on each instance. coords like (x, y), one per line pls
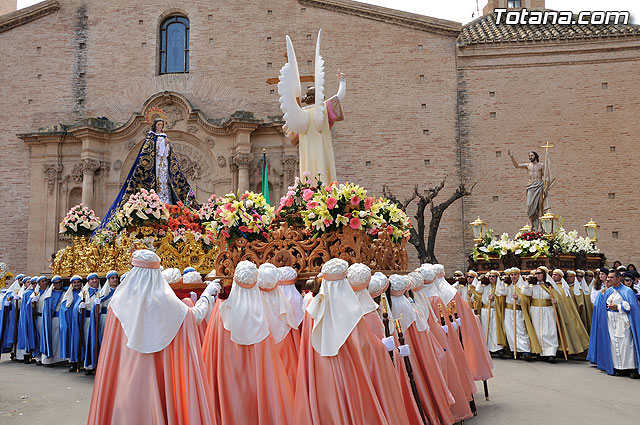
(156, 167)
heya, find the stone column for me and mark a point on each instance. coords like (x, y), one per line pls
(243, 162)
(89, 167)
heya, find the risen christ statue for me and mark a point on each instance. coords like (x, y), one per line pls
(535, 188)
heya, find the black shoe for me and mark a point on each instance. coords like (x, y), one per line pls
(73, 369)
(501, 354)
(13, 357)
(634, 375)
(90, 372)
(38, 363)
(527, 357)
(551, 359)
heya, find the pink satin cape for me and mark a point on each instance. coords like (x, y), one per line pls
(202, 327)
(461, 388)
(288, 350)
(475, 345)
(372, 319)
(248, 383)
(166, 387)
(429, 368)
(356, 386)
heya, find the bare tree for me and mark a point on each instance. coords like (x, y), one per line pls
(426, 249)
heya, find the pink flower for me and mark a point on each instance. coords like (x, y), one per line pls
(306, 174)
(355, 201)
(311, 205)
(354, 223)
(225, 234)
(328, 222)
(390, 230)
(289, 202)
(291, 193)
(368, 203)
(307, 194)
(331, 202)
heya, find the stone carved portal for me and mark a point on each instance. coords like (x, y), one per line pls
(218, 155)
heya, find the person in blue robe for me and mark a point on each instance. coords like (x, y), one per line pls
(615, 330)
(69, 299)
(98, 319)
(78, 315)
(27, 335)
(50, 342)
(8, 317)
(155, 168)
(43, 284)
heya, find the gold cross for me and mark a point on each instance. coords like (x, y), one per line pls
(547, 146)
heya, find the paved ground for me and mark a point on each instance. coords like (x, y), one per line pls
(520, 394)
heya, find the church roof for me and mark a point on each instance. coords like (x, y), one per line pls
(485, 31)
(28, 14)
(384, 14)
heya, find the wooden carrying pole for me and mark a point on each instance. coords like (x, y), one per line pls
(81, 347)
(515, 333)
(385, 319)
(407, 365)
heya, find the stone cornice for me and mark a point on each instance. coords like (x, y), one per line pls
(97, 129)
(28, 14)
(390, 16)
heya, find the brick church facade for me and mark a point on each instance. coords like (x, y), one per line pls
(425, 98)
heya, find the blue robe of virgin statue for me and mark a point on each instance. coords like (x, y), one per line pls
(143, 175)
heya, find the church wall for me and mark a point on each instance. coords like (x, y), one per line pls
(101, 60)
(35, 80)
(556, 97)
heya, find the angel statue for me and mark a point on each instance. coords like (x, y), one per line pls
(156, 167)
(309, 127)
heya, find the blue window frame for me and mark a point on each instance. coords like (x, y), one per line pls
(174, 45)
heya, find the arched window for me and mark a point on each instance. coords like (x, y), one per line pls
(174, 45)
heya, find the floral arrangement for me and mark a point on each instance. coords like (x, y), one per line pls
(529, 236)
(324, 208)
(391, 219)
(296, 199)
(79, 221)
(334, 206)
(142, 209)
(571, 243)
(182, 218)
(104, 236)
(533, 244)
(241, 216)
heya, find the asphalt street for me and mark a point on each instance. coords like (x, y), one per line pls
(520, 394)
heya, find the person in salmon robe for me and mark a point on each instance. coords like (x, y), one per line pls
(429, 358)
(359, 277)
(473, 340)
(345, 375)
(281, 319)
(287, 282)
(150, 369)
(246, 377)
(459, 377)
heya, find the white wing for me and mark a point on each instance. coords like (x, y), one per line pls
(318, 115)
(295, 118)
